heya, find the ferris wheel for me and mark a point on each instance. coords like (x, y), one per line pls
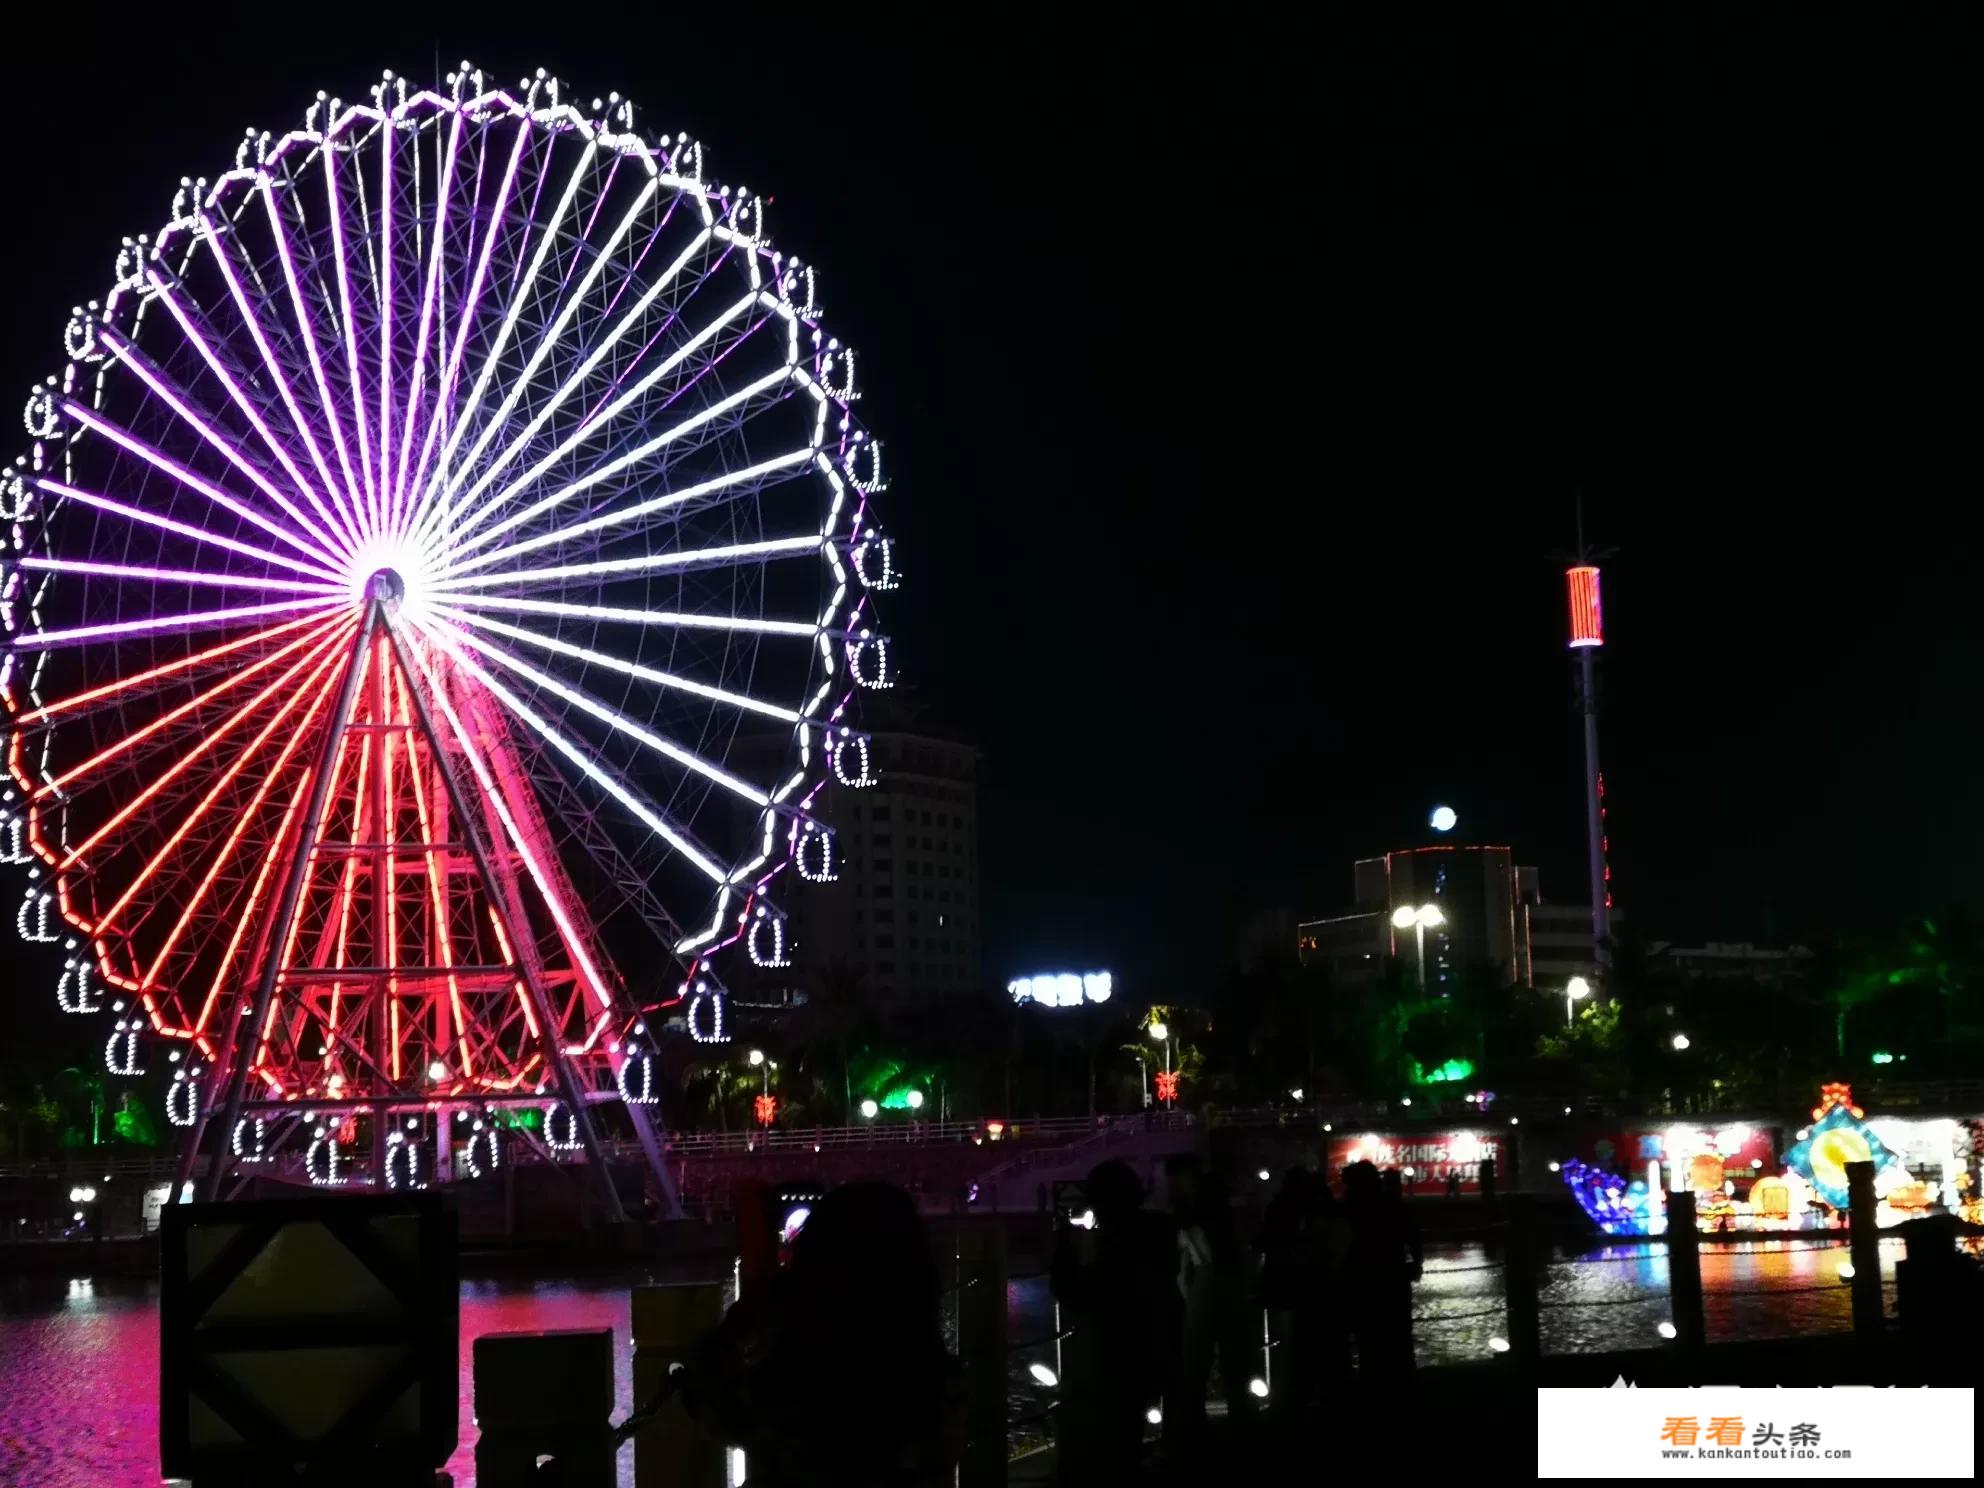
(415, 525)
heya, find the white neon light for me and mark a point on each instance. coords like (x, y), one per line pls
(621, 515)
(620, 723)
(585, 370)
(625, 668)
(660, 826)
(1062, 989)
(712, 557)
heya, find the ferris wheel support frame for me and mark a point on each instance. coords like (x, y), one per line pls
(239, 1048)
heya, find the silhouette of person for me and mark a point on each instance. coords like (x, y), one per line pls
(1117, 1285)
(1382, 1260)
(1453, 1183)
(836, 1375)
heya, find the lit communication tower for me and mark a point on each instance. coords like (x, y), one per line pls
(1587, 635)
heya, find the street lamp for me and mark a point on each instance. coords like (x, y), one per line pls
(914, 1100)
(869, 1108)
(757, 1057)
(1575, 988)
(1418, 919)
(1680, 1042)
(1163, 1031)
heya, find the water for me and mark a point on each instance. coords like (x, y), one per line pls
(79, 1358)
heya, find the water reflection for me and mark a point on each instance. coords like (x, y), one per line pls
(79, 1357)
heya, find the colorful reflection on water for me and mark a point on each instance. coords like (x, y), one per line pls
(79, 1358)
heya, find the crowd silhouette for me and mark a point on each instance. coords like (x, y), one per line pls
(837, 1373)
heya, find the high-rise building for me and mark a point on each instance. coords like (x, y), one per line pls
(902, 917)
(1457, 905)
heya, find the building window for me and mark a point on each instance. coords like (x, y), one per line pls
(912, 917)
(885, 891)
(885, 914)
(884, 865)
(879, 813)
(940, 918)
(884, 839)
(885, 942)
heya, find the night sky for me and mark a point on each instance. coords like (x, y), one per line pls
(1239, 384)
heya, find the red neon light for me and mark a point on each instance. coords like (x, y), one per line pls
(1167, 1085)
(241, 820)
(1587, 622)
(60, 704)
(191, 757)
(765, 1107)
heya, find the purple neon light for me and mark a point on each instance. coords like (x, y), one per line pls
(303, 319)
(241, 401)
(416, 383)
(371, 505)
(545, 239)
(385, 299)
(585, 428)
(193, 620)
(184, 529)
(254, 323)
(444, 400)
(193, 482)
(189, 576)
(131, 357)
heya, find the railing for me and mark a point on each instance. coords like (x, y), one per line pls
(878, 1133)
(81, 1164)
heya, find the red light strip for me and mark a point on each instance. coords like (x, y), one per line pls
(62, 705)
(346, 889)
(164, 720)
(438, 900)
(187, 760)
(382, 691)
(241, 821)
(246, 918)
(259, 1064)
(1587, 620)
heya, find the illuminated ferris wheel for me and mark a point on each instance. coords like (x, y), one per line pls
(413, 527)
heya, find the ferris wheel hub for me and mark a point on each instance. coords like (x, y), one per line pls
(386, 585)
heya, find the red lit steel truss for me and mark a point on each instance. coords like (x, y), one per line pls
(414, 527)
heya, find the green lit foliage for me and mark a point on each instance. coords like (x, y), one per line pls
(133, 1123)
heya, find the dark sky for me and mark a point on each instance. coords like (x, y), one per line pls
(1238, 381)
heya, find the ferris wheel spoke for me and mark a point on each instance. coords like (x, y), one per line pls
(625, 668)
(520, 293)
(191, 577)
(383, 299)
(737, 485)
(182, 529)
(335, 213)
(305, 322)
(498, 420)
(316, 695)
(463, 534)
(60, 784)
(160, 461)
(110, 691)
(437, 253)
(465, 321)
(217, 252)
(519, 843)
(600, 352)
(671, 619)
(209, 742)
(175, 399)
(734, 409)
(724, 556)
(674, 834)
(195, 620)
(668, 749)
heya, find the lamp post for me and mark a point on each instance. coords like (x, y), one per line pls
(1574, 989)
(1162, 1031)
(1418, 919)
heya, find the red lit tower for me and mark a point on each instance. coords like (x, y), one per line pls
(1587, 635)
